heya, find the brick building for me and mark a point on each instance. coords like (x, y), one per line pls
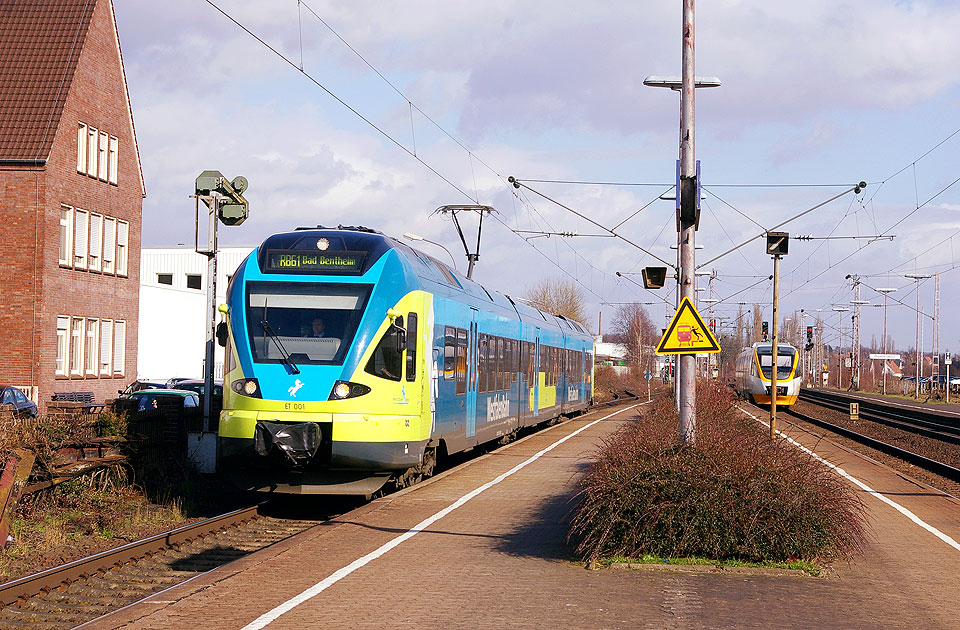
(71, 195)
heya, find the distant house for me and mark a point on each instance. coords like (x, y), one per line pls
(892, 368)
(71, 195)
(173, 310)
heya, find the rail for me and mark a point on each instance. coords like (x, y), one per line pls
(916, 421)
(926, 463)
(31, 585)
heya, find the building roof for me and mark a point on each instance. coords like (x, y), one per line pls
(40, 44)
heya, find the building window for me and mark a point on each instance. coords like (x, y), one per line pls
(119, 347)
(92, 137)
(113, 161)
(92, 345)
(80, 239)
(123, 229)
(102, 156)
(66, 236)
(96, 240)
(193, 281)
(63, 344)
(76, 347)
(106, 347)
(109, 243)
(82, 149)
(165, 278)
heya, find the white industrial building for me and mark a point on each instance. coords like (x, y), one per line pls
(173, 310)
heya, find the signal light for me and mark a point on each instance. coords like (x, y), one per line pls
(778, 243)
(654, 277)
(763, 330)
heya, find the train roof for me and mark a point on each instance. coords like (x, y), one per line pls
(432, 272)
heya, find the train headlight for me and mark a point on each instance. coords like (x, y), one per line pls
(246, 387)
(346, 389)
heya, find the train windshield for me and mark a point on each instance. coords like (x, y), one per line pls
(303, 323)
(786, 356)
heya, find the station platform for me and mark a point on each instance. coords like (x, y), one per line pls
(484, 546)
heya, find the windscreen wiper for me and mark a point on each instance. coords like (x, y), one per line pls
(283, 351)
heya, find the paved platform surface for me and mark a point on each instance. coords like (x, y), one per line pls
(500, 560)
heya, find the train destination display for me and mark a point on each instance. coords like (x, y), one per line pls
(307, 261)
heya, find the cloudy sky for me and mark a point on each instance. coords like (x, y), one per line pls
(401, 107)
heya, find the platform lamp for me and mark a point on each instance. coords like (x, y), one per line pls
(777, 246)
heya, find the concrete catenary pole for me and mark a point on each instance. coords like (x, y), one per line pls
(774, 346)
(688, 201)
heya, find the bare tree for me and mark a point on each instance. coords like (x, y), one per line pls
(757, 320)
(634, 328)
(560, 297)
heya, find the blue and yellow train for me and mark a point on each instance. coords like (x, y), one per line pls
(353, 360)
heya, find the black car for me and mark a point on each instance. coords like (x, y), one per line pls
(23, 407)
(138, 385)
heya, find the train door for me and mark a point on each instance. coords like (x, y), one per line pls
(471, 427)
(536, 373)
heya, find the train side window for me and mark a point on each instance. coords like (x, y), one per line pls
(482, 351)
(411, 346)
(449, 353)
(531, 363)
(514, 360)
(500, 366)
(523, 356)
(386, 361)
(461, 366)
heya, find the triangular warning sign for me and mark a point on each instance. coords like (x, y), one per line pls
(686, 333)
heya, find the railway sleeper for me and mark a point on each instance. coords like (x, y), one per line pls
(35, 617)
(42, 604)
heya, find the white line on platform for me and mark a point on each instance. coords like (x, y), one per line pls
(270, 616)
(840, 471)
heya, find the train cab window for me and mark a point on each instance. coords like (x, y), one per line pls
(461, 361)
(411, 373)
(786, 356)
(387, 360)
(449, 353)
(303, 322)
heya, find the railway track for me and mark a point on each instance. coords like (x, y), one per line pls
(921, 461)
(72, 594)
(935, 425)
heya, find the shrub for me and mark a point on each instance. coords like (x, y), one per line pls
(735, 495)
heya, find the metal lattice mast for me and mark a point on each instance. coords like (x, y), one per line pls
(936, 325)
(856, 333)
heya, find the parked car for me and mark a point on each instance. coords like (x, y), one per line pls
(173, 382)
(23, 407)
(137, 385)
(148, 398)
(197, 385)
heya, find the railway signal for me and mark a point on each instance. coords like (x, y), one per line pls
(763, 330)
(225, 204)
(777, 246)
(654, 277)
(809, 345)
